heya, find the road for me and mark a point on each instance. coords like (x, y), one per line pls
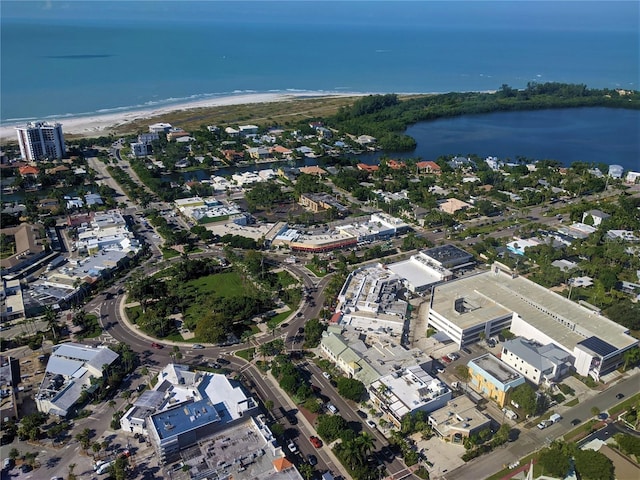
(107, 306)
(533, 439)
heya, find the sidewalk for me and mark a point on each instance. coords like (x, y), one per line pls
(308, 425)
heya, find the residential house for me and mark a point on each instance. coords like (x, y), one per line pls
(428, 167)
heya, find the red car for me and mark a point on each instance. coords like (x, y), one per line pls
(446, 359)
(156, 345)
(315, 441)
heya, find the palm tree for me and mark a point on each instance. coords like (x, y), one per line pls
(51, 317)
(365, 444)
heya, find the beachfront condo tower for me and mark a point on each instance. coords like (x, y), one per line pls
(41, 140)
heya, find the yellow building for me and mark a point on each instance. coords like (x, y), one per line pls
(493, 378)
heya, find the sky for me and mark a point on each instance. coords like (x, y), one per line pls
(473, 14)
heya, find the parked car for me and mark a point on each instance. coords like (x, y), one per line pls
(313, 461)
(361, 414)
(371, 423)
(446, 359)
(315, 441)
(332, 408)
(387, 454)
(575, 421)
(197, 346)
(284, 325)
(453, 356)
(8, 464)
(292, 446)
(326, 375)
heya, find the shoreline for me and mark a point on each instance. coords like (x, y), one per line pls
(101, 124)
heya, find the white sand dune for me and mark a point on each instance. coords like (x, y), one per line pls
(97, 125)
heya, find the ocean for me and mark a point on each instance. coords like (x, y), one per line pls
(61, 59)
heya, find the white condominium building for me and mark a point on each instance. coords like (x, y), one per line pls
(41, 140)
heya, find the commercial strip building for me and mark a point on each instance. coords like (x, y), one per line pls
(106, 231)
(493, 379)
(407, 391)
(367, 355)
(458, 419)
(41, 140)
(484, 304)
(69, 372)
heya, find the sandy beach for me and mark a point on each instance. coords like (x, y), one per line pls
(97, 125)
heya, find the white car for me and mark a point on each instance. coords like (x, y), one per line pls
(326, 375)
(372, 424)
(292, 446)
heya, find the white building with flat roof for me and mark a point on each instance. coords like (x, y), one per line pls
(369, 300)
(488, 302)
(186, 406)
(41, 140)
(420, 272)
(408, 391)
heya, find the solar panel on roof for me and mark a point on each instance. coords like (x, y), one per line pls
(598, 346)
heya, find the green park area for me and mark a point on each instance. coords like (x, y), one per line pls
(216, 303)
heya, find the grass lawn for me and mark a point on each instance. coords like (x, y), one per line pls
(174, 337)
(133, 313)
(582, 429)
(226, 284)
(246, 354)
(278, 319)
(168, 253)
(624, 405)
(315, 271)
(572, 403)
(286, 279)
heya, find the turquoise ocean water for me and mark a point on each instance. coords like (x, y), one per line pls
(69, 58)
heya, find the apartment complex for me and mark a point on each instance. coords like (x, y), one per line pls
(41, 140)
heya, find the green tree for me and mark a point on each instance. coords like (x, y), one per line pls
(592, 465)
(14, 453)
(554, 461)
(525, 396)
(351, 388)
(628, 444)
(331, 426)
(306, 471)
